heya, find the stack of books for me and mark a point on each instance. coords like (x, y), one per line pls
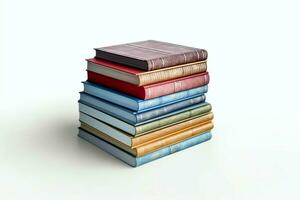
(145, 100)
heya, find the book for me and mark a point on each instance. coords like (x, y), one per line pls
(151, 55)
(100, 120)
(152, 90)
(133, 117)
(154, 145)
(137, 104)
(141, 139)
(137, 161)
(140, 77)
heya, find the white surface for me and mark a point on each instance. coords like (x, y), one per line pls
(254, 64)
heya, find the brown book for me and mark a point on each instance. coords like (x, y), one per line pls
(150, 147)
(151, 55)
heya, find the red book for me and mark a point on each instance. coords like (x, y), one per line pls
(152, 90)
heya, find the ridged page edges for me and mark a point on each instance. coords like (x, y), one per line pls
(151, 55)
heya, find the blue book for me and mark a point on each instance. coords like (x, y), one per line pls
(133, 117)
(137, 161)
(137, 104)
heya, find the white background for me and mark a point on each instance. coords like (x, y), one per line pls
(254, 65)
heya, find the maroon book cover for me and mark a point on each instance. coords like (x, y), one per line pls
(151, 55)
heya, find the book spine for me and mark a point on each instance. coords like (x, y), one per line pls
(177, 86)
(164, 100)
(167, 109)
(177, 59)
(173, 148)
(172, 119)
(116, 84)
(174, 138)
(156, 135)
(185, 70)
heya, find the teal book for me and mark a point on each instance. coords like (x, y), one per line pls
(137, 161)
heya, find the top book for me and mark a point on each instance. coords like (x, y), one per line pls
(151, 55)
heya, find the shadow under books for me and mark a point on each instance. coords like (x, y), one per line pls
(58, 138)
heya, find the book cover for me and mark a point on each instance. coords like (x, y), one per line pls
(151, 55)
(134, 117)
(152, 90)
(137, 104)
(94, 117)
(137, 161)
(140, 77)
(154, 145)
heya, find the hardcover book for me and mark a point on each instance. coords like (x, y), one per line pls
(137, 104)
(153, 90)
(141, 139)
(137, 161)
(151, 55)
(133, 117)
(154, 145)
(100, 120)
(139, 77)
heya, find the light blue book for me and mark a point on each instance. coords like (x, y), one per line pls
(133, 117)
(137, 104)
(137, 161)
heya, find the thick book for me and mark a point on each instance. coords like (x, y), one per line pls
(133, 117)
(140, 77)
(137, 161)
(142, 139)
(152, 90)
(151, 55)
(137, 104)
(154, 145)
(116, 127)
